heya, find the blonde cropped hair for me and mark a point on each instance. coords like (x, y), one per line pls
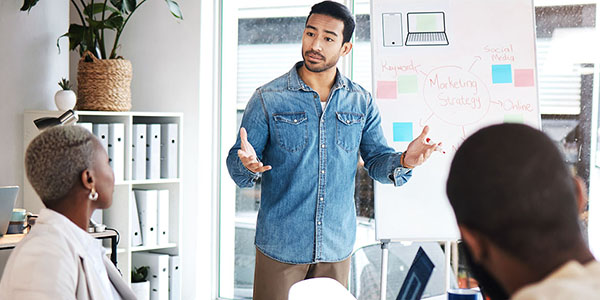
(55, 159)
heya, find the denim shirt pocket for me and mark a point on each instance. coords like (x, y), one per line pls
(348, 130)
(291, 130)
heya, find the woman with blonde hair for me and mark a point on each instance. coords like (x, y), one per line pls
(58, 259)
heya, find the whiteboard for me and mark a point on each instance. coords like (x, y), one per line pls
(456, 66)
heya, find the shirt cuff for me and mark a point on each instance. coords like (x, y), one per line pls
(400, 175)
(243, 170)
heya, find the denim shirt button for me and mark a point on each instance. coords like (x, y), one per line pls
(319, 223)
(321, 198)
(322, 145)
(295, 121)
(323, 171)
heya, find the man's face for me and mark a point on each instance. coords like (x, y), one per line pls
(322, 43)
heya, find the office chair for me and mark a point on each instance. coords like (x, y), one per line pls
(365, 270)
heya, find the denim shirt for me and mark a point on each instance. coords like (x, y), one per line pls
(307, 213)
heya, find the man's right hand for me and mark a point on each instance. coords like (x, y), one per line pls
(248, 156)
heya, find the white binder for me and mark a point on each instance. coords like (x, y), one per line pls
(139, 152)
(168, 150)
(136, 234)
(147, 204)
(101, 132)
(87, 125)
(163, 217)
(158, 274)
(153, 151)
(174, 278)
(116, 149)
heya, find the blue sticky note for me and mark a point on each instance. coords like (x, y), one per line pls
(403, 132)
(501, 74)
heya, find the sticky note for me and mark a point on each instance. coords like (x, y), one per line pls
(407, 84)
(386, 90)
(524, 77)
(501, 74)
(426, 23)
(403, 132)
(514, 118)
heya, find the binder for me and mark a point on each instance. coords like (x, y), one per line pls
(87, 125)
(139, 152)
(174, 278)
(101, 132)
(116, 149)
(153, 151)
(158, 273)
(163, 217)
(136, 234)
(147, 204)
(168, 150)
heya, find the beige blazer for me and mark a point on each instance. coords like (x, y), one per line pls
(54, 262)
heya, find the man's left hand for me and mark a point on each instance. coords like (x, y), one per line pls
(420, 149)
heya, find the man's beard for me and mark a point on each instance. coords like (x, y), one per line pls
(317, 70)
(487, 283)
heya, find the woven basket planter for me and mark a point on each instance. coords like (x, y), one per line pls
(103, 84)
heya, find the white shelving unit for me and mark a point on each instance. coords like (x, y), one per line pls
(118, 216)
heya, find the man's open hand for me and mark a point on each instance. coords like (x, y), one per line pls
(248, 156)
(420, 149)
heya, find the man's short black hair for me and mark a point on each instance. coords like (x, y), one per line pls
(509, 183)
(337, 11)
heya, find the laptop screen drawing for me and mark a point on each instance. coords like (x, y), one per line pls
(417, 277)
(426, 29)
(8, 196)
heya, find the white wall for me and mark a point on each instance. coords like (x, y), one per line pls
(165, 54)
(30, 68)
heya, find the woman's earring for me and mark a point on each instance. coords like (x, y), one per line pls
(93, 195)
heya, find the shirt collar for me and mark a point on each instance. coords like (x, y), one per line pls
(295, 83)
(52, 217)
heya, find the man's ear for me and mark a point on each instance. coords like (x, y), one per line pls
(476, 243)
(346, 47)
(87, 179)
(581, 194)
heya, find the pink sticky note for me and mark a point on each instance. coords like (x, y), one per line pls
(386, 90)
(524, 77)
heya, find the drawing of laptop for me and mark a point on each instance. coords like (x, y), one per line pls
(417, 277)
(8, 196)
(426, 29)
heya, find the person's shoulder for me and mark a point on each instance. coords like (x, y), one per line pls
(275, 85)
(354, 87)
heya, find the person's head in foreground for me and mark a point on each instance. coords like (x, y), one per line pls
(517, 207)
(69, 170)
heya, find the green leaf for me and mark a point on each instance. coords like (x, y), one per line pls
(28, 4)
(97, 9)
(129, 5)
(115, 20)
(174, 8)
(124, 6)
(75, 35)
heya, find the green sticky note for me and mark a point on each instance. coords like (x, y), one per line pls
(427, 23)
(514, 118)
(407, 84)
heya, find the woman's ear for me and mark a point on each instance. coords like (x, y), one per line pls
(87, 179)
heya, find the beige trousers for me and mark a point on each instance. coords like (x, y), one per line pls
(273, 279)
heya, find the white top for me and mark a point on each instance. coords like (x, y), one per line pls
(571, 281)
(323, 103)
(321, 288)
(58, 260)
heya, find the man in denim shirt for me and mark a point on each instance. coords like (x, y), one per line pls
(307, 128)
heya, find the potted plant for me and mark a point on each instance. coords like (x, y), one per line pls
(103, 77)
(65, 99)
(139, 284)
